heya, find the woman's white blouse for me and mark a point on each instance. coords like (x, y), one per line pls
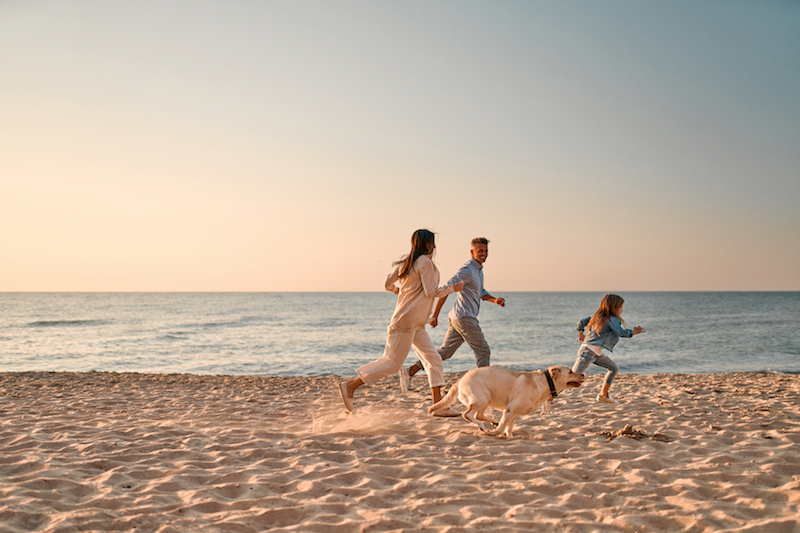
(418, 290)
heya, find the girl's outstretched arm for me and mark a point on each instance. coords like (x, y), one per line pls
(616, 327)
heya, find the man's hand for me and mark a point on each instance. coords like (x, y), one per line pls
(434, 321)
(500, 301)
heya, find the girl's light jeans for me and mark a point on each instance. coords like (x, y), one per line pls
(587, 357)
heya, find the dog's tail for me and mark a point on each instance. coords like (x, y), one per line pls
(447, 401)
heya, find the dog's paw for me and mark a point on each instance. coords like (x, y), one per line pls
(486, 427)
(547, 407)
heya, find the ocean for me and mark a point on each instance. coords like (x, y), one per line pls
(320, 334)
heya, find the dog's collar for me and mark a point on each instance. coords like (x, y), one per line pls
(553, 392)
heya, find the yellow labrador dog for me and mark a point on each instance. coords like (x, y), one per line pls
(515, 393)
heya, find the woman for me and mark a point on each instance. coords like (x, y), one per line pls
(604, 329)
(418, 280)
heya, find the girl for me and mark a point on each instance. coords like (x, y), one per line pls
(604, 328)
(418, 280)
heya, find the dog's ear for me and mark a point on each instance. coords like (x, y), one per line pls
(555, 372)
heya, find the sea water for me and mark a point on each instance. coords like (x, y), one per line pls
(305, 334)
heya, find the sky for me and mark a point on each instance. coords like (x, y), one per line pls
(296, 145)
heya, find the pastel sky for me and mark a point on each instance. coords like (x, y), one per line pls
(296, 145)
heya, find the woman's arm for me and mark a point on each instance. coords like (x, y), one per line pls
(391, 279)
(427, 275)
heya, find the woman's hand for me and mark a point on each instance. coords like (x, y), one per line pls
(637, 330)
(458, 286)
(581, 336)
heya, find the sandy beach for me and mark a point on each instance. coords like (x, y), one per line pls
(146, 453)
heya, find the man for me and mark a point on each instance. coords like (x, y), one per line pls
(463, 318)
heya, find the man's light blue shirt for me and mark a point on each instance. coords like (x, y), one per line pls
(468, 302)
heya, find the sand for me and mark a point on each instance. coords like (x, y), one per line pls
(145, 452)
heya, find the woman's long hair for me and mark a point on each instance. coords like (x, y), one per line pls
(608, 307)
(422, 242)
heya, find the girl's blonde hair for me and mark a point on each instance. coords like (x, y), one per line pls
(608, 307)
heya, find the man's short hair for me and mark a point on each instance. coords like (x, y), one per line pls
(480, 240)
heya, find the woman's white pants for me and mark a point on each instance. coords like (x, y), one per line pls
(398, 344)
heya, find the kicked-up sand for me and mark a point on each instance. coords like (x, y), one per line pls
(160, 453)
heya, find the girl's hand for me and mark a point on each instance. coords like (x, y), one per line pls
(581, 336)
(458, 286)
(637, 330)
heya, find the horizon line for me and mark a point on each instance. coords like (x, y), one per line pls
(381, 292)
